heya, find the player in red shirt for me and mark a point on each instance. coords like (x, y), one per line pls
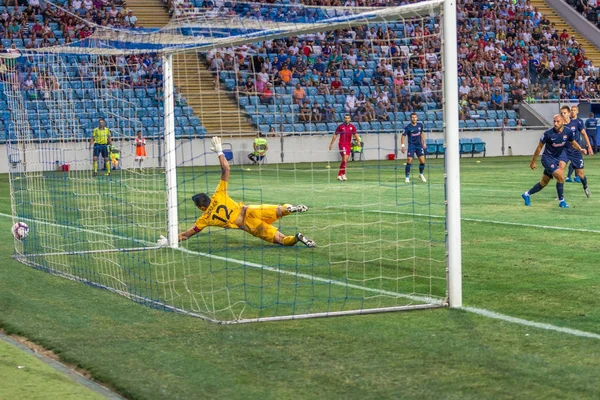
(346, 131)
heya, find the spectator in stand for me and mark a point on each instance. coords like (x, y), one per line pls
(285, 76)
(304, 113)
(328, 112)
(361, 110)
(266, 97)
(416, 102)
(324, 82)
(370, 114)
(359, 76)
(351, 103)
(381, 112)
(14, 30)
(496, 102)
(378, 77)
(298, 95)
(316, 113)
(216, 66)
(336, 85)
(248, 89)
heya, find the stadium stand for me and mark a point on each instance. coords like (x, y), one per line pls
(508, 52)
(588, 8)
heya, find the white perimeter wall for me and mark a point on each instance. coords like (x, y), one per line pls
(295, 149)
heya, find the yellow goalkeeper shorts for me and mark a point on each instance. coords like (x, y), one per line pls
(258, 221)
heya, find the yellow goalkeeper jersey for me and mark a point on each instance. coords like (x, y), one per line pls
(222, 210)
(101, 136)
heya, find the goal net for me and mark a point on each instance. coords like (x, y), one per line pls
(380, 225)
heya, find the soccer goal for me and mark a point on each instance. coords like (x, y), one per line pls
(384, 242)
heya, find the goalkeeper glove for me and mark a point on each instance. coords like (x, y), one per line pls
(217, 147)
(162, 242)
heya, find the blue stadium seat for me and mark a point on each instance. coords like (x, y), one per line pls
(387, 127)
(481, 123)
(512, 114)
(189, 131)
(478, 146)
(431, 147)
(466, 146)
(321, 127)
(440, 148)
(264, 129)
(200, 131)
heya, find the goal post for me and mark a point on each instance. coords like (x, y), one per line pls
(388, 237)
(453, 244)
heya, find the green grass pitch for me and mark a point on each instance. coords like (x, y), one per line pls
(538, 264)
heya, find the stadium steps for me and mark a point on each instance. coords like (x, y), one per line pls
(218, 112)
(591, 51)
(150, 13)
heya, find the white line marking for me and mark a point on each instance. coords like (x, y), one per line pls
(478, 311)
(539, 325)
(485, 221)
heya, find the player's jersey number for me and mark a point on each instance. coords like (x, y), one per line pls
(225, 211)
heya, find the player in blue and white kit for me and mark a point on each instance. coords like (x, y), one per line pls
(416, 145)
(553, 142)
(591, 126)
(580, 135)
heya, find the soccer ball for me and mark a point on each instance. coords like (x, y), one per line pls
(20, 230)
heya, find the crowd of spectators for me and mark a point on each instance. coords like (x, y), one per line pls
(508, 52)
(41, 24)
(589, 9)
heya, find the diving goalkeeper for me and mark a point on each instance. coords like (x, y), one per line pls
(222, 211)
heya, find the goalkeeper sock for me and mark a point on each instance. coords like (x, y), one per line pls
(107, 167)
(95, 166)
(407, 170)
(289, 241)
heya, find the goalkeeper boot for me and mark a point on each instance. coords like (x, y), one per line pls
(407, 180)
(422, 178)
(563, 204)
(300, 208)
(305, 240)
(527, 198)
(94, 173)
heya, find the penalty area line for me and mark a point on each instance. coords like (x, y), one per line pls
(486, 221)
(424, 299)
